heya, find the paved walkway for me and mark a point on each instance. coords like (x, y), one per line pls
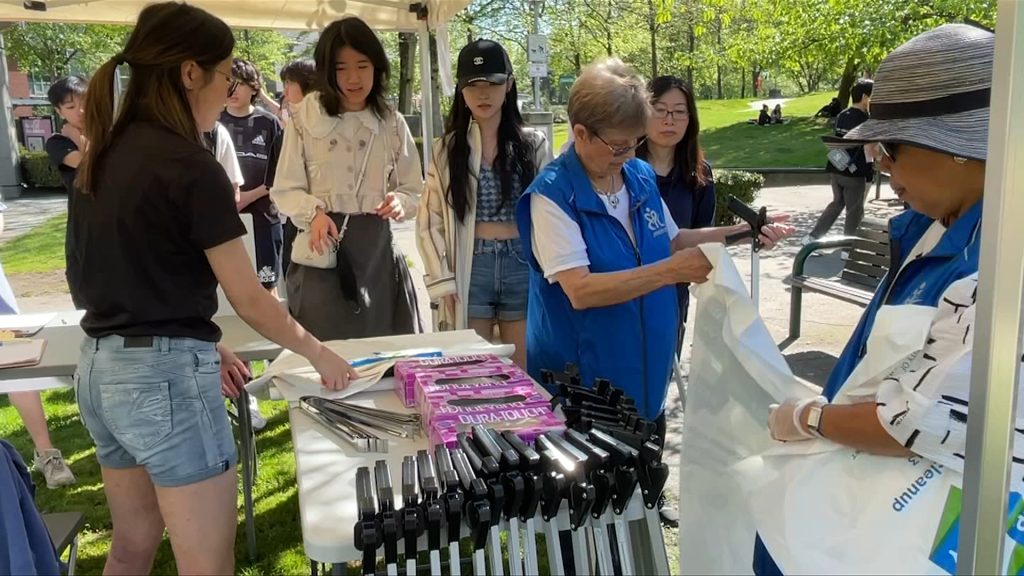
(30, 210)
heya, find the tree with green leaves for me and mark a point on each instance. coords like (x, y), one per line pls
(54, 50)
(268, 50)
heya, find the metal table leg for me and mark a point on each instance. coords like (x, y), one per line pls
(248, 450)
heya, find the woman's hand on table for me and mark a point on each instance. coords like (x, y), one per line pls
(777, 231)
(335, 372)
(689, 265)
(233, 373)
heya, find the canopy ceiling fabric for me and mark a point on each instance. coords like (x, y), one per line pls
(278, 14)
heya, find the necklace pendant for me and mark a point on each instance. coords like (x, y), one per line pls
(614, 201)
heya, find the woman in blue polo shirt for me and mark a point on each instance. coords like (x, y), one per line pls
(606, 253)
(929, 127)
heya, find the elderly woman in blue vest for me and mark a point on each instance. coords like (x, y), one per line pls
(930, 122)
(606, 252)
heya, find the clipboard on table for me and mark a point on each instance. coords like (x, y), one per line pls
(25, 325)
(21, 352)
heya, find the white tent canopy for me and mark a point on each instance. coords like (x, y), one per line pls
(280, 14)
(381, 15)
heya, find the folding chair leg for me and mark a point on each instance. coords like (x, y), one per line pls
(73, 556)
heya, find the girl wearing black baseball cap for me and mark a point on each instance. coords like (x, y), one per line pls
(477, 273)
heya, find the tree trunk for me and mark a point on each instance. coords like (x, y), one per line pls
(406, 67)
(743, 83)
(577, 63)
(846, 82)
(718, 66)
(755, 72)
(652, 27)
(691, 48)
(436, 88)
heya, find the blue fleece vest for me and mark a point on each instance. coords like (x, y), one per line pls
(631, 343)
(922, 281)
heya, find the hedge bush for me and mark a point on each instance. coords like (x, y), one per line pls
(38, 171)
(743, 185)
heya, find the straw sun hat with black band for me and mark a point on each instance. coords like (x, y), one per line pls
(932, 92)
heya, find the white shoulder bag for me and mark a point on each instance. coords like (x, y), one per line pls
(303, 254)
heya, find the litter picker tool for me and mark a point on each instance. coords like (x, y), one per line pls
(388, 517)
(454, 505)
(367, 531)
(756, 219)
(432, 511)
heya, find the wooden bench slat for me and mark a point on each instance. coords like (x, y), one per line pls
(864, 282)
(867, 257)
(874, 224)
(869, 270)
(875, 235)
(837, 290)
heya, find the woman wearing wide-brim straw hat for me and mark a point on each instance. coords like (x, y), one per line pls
(929, 129)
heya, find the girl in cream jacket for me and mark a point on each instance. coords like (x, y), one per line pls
(477, 275)
(348, 167)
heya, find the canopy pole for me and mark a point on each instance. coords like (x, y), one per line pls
(997, 352)
(10, 181)
(426, 93)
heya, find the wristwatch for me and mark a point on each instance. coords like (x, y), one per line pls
(814, 412)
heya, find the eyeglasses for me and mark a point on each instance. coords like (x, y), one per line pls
(661, 114)
(232, 82)
(620, 150)
(889, 149)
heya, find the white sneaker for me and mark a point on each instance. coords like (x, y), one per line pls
(807, 240)
(844, 255)
(258, 421)
(54, 469)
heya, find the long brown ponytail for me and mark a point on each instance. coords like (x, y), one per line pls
(165, 36)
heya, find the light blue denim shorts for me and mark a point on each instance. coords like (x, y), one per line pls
(155, 402)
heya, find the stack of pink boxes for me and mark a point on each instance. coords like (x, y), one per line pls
(455, 393)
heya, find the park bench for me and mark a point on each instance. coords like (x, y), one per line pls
(868, 263)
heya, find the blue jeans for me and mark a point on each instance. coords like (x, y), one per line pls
(500, 281)
(155, 402)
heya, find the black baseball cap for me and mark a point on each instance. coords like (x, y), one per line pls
(483, 60)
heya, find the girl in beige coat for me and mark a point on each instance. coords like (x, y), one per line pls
(477, 275)
(349, 167)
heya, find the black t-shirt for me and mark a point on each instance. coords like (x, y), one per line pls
(58, 147)
(848, 120)
(256, 139)
(160, 200)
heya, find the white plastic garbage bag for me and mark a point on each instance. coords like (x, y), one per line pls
(736, 372)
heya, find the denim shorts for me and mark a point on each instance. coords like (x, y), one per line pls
(500, 281)
(155, 402)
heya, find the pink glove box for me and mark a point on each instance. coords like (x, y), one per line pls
(406, 371)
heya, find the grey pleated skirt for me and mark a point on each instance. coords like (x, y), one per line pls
(370, 293)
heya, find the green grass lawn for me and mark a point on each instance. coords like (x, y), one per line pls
(39, 250)
(730, 142)
(277, 509)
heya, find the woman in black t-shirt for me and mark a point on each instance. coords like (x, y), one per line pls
(156, 229)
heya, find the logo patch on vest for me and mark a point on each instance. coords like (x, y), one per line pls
(654, 222)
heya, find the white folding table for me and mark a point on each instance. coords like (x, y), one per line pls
(64, 337)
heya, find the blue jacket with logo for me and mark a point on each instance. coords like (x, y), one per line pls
(25, 546)
(631, 344)
(922, 281)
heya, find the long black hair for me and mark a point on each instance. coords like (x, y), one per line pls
(353, 32)
(515, 152)
(688, 157)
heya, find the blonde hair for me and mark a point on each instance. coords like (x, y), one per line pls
(609, 95)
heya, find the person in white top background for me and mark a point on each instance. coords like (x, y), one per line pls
(47, 459)
(348, 167)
